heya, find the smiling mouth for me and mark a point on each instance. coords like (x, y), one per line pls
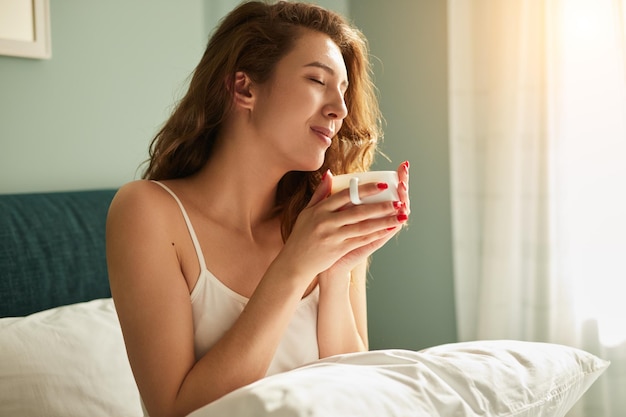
(324, 134)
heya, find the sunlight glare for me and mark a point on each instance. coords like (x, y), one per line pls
(591, 166)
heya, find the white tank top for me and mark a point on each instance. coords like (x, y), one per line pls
(216, 307)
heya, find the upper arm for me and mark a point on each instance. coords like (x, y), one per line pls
(358, 300)
(150, 293)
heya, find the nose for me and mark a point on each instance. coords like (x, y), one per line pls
(336, 107)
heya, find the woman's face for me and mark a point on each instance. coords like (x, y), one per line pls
(301, 108)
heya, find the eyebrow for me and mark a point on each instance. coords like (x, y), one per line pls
(318, 64)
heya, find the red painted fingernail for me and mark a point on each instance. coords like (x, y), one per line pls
(402, 217)
(382, 185)
(406, 164)
(389, 229)
(398, 205)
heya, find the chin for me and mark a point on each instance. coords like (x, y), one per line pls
(309, 165)
(314, 167)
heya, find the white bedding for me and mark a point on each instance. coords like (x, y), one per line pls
(486, 378)
(71, 361)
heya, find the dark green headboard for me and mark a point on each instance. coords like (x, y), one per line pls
(52, 250)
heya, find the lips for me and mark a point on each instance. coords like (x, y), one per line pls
(325, 133)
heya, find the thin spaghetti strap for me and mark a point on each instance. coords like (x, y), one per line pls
(192, 232)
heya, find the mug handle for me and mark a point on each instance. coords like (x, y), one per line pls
(354, 191)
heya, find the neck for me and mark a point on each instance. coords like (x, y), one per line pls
(240, 185)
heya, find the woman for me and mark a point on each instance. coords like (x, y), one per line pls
(230, 260)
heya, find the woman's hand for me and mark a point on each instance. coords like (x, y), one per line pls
(359, 255)
(331, 230)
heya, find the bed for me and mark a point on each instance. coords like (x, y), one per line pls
(62, 352)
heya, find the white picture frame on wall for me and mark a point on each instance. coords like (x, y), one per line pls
(29, 33)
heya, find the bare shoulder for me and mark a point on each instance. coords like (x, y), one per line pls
(141, 224)
(142, 204)
(140, 197)
(146, 239)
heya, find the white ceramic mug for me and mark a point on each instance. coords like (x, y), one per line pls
(351, 181)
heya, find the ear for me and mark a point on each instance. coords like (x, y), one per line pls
(242, 91)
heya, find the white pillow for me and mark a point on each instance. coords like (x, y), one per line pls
(67, 361)
(71, 361)
(482, 379)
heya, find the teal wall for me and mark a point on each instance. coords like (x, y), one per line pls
(411, 293)
(84, 118)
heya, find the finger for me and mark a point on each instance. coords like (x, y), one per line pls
(390, 221)
(323, 189)
(403, 171)
(375, 239)
(341, 199)
(365, 250)
(403, 185)
(403, 193)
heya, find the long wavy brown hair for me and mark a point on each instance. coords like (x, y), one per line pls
(253, 38)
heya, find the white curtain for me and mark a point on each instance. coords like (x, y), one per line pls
(538, 156)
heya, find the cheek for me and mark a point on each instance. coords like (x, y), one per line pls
(338, 125)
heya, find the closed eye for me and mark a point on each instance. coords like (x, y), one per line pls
(315, 80)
